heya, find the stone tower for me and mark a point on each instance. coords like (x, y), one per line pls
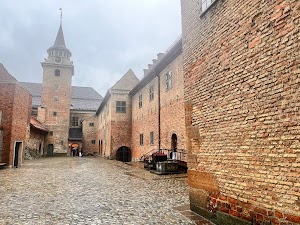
(58, 70)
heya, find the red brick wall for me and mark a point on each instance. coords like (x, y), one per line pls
(6, 106)
(172, 106)
(114, 128)
(241, 65)
(145, 119)
(120, 122)
(56, 97)
(15, 105)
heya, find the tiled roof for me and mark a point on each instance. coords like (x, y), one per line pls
(82, 98)
(38, 125)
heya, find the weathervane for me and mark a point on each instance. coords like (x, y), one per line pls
(60, 15)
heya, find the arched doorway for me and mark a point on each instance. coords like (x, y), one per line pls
(75, 149)
(123, 154)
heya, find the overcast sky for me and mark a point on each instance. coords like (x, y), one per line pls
(106, 37)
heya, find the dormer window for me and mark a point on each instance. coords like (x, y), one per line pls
(57, 72)
(60, 53)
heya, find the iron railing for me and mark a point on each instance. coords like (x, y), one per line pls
(179, 154)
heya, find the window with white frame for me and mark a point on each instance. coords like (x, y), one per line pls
(169, 80)
(151, 92)
(74, 121)
(151, 138)
(140, 101)
(205, 4)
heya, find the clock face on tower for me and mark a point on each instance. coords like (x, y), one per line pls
(57, 59)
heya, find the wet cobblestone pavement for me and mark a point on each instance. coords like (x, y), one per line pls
(66, 190)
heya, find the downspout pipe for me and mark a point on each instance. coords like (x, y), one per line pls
(159, 116)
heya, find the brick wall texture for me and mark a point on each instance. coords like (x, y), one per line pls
(241, 68)
(89, 143)
(114, 129)
(15, 105)
(145, 119)
(56, 97)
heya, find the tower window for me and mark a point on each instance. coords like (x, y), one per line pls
(91, 124)
(57, 72)
(54, 113)
(93, 142)
(121, 107)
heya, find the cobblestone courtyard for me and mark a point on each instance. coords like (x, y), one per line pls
(66, 190)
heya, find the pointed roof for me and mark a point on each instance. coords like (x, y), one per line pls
(59, 41)
(127, 82)
(5, 77)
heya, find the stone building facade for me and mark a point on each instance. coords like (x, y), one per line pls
(158, 106)
(241, 88)
(36, 137)
(15, 106)
(114, 117)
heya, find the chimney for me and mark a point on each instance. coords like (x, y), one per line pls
(41, 114)
(154, 61)
(145, 72)
(150, 66)
(160, 55)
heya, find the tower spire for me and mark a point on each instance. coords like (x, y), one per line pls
(60, 15)
(59, 46)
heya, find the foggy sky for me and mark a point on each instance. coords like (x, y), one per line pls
(106, 38)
